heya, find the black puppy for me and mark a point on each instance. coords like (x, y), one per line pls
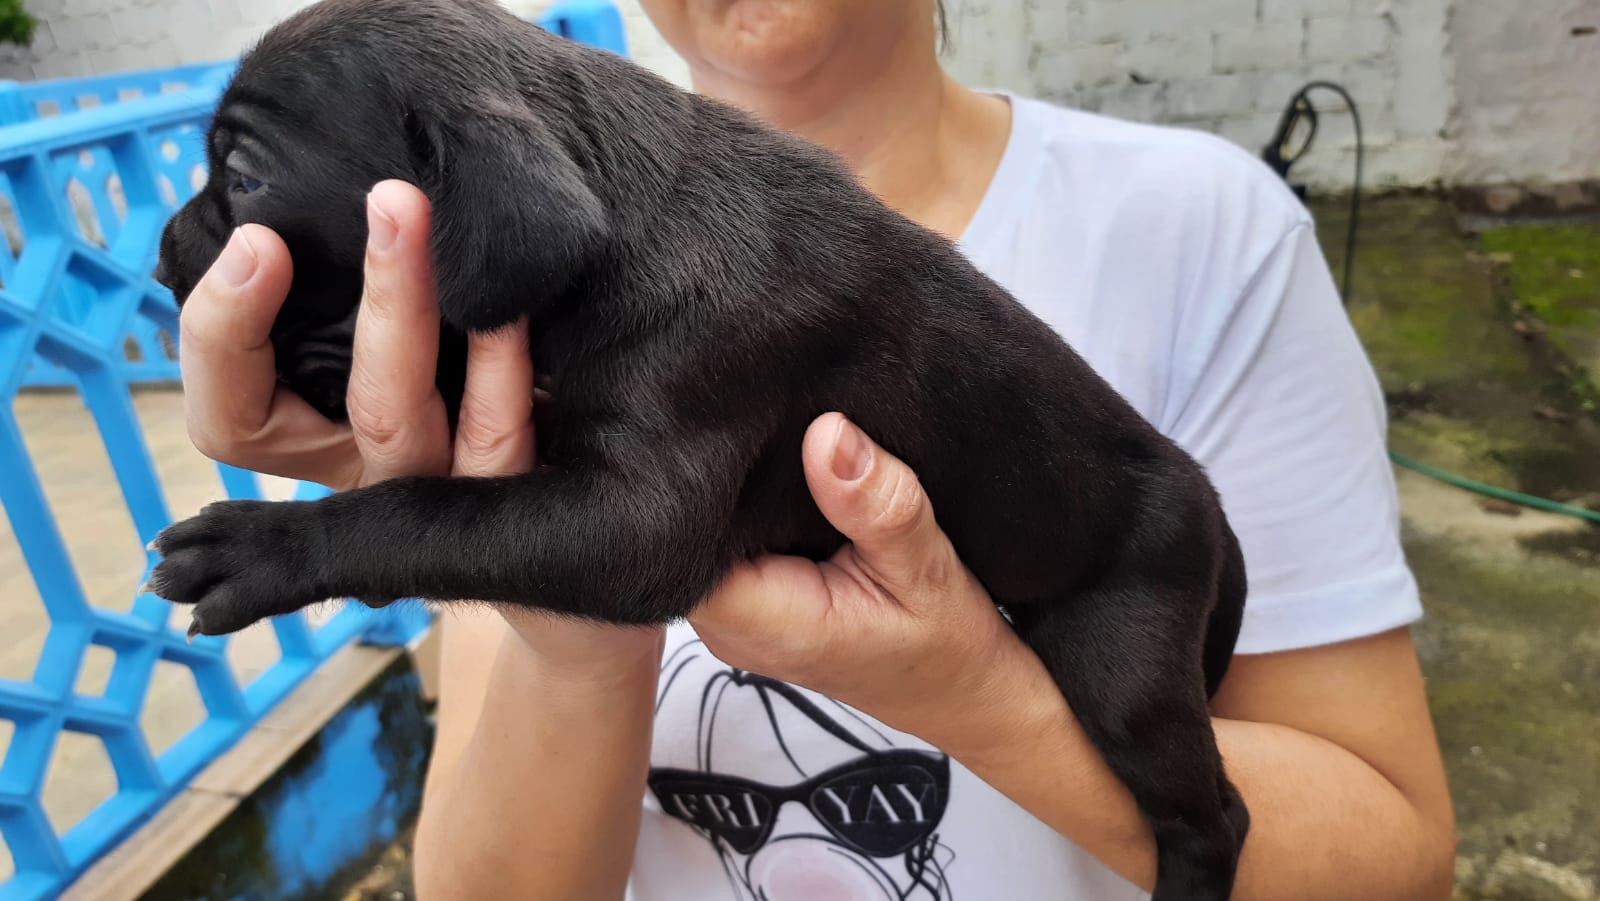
(700, 288)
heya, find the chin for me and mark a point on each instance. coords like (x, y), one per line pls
(781, 38)
(761, 43)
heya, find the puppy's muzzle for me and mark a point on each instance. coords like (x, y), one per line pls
(317, 367)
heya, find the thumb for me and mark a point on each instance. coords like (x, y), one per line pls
(878, 503)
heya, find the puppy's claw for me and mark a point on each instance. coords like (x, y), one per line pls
(159, 583)
(194, 629)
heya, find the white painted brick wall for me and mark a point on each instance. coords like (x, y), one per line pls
(95, 37)
(1527, 76)
(1264, 46)
(988, 47)
(1453, 91)
(1345, 38)
(1230, 66)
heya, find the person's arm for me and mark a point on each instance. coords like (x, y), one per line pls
(1332, 748)
(538, 771)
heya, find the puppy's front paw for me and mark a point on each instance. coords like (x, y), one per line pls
(239, 562)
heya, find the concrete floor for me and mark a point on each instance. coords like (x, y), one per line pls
(1486, 345)
(110, 560)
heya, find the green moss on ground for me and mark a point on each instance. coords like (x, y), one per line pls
(1554, 272)
(1472, 387)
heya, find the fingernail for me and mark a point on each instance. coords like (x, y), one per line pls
(851, 452)
(381, 227)
(238, 261)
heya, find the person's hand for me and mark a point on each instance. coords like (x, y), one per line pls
(893, 624)
(238, 413)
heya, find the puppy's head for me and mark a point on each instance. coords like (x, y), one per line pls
(454, 96)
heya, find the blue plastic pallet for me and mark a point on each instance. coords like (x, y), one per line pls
(91, 170)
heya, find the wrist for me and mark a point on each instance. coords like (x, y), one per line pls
(574, 654)
(1008, 711)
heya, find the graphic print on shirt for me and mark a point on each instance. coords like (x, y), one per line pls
(850, 816)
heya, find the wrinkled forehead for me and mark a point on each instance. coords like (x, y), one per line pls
(278, 108)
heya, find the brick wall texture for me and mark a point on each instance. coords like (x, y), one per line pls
(1452, 91)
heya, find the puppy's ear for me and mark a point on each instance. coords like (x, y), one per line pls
(513, 221)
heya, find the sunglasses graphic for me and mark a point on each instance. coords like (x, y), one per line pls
(880, 805)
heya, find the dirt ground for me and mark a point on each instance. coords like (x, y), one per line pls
(1488, 344)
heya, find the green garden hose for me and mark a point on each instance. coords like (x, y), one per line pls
(1526, 500)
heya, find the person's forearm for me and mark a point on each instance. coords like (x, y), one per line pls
(1324, 824)
(543, 800)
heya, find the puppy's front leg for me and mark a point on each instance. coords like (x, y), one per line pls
(583, 541)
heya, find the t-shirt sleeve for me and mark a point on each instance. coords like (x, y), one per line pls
(1286, 414)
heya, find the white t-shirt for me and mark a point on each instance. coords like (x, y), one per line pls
(1190, 278)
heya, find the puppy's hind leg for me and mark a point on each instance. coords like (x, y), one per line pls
(1111, 653)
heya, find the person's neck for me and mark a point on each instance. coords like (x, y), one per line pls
(921, 142)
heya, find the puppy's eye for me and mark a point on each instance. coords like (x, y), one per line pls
(244, 184)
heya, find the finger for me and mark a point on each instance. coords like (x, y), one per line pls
(236, 411)
(394, 406)
(495, 432)
(877, 502)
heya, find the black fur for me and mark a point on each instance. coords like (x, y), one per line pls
(700, 288)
